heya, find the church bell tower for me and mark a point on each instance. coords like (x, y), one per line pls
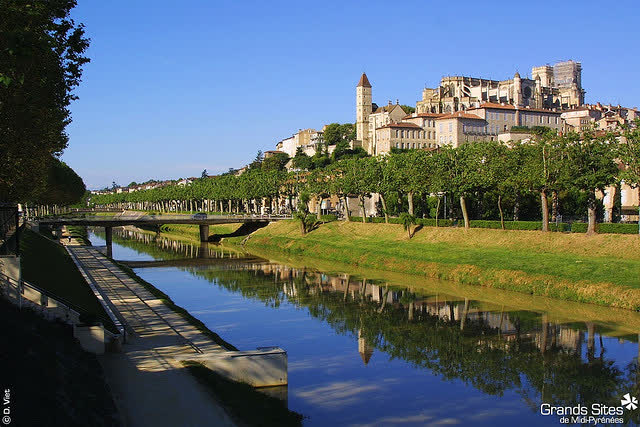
(363, 110)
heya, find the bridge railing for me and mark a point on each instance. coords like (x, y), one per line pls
(174, 217)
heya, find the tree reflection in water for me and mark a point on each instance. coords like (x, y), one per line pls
(489, 346)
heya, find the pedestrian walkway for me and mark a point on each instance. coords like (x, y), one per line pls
(149, 383)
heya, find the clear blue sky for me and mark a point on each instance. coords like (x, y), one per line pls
(177, 87)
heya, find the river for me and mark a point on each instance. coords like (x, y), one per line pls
(372, 352)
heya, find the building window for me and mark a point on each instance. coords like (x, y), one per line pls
(450, 127)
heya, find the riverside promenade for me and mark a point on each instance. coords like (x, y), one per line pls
(148, 382)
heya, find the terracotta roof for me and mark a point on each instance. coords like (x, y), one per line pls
(460, 115)
(494, 105)
(401, 125)
(428, 115)
(540, 110)
(364, 81)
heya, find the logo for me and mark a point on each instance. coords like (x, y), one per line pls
(629, 402)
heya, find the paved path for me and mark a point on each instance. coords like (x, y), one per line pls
(149, 384)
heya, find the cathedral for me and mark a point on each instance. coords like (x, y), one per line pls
(558, 86)
(495, 106)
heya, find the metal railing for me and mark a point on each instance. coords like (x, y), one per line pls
(47, 304)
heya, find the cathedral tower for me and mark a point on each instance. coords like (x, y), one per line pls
(363, 110)
(517, 90)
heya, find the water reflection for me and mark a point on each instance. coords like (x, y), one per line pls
(495, 348)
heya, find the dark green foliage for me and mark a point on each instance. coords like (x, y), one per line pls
(63, 186)
(343, 151)
(336, 133)
(302, 160)
(408, 109)
(275, 162)
(41, 52)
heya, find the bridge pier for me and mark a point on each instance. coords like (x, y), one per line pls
(204, 250)
(204, 232)
(108, 232)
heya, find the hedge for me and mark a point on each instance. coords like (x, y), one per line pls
(576, 227)
(581, 227)
(431, 222)
(427, 222)
(328, 218)
(518, 225)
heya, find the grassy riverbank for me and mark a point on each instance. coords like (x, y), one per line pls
(47, 265)
(192, 232)
(600, 269)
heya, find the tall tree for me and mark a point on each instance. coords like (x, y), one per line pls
(458, 169)
(590, 166)
(336, 133)
(543, 164)
(41, 56)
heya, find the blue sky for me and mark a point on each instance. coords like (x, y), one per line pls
(177, 87)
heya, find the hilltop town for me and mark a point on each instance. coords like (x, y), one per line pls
(467, 109)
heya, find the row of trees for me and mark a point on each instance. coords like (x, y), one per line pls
(546, 167)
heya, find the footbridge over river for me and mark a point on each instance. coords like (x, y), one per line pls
(138, 218)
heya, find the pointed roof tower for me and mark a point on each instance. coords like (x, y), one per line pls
(364, 81)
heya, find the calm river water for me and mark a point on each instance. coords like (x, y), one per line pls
(364, 352)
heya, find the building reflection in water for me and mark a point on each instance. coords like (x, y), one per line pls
(485, 344)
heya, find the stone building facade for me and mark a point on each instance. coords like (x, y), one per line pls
(558, 86)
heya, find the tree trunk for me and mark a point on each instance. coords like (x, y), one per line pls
(465, 313)
(591, 215)
(465, 214)
(410, 201)
(545, 210)
(346, 208)
(500, 209)
(384, 209)
(362, 208)
(319, 210)
(437, 211)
